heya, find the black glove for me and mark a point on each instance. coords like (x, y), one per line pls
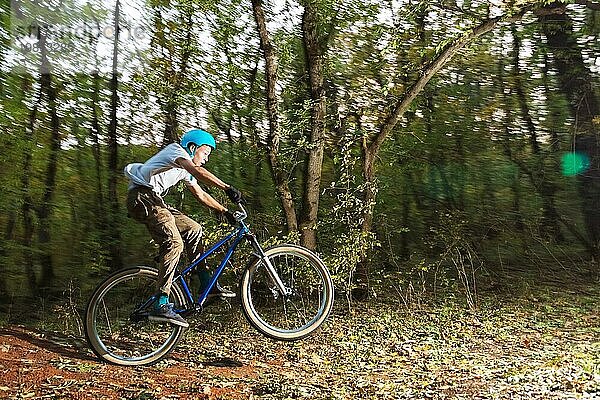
(229, 218)
(234, 194)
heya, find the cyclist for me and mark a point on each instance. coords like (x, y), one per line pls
(170, 228)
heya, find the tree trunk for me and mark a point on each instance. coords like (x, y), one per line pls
(115, 260)
(521, 96)
(312, 183)
(361, 276)
(45, 209)
(257, 203)
(28, 207)
(515, 185)
(171, 122)
(9, 235)
(555, 144)
(575, 82)
(95, 133)
(172, 103)
(545, 188)
(279, 178)
(235, 170)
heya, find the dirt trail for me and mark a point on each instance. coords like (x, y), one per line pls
(545, 346)
(34, 364)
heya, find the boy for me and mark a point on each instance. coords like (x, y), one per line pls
(171, 229)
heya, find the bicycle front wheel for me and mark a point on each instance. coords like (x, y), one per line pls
(116, 323)
(303, 309)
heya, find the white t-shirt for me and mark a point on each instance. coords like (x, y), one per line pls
(160, 172)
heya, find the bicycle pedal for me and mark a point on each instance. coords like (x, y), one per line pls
(190, 312)
(137, 317)
(222, 295)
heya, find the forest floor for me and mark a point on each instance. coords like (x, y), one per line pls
(540, 345)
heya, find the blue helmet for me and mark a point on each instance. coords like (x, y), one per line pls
(197, 137)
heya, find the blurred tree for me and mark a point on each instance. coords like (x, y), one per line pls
(315, 45)
(273, 137)
(542, 182)
(45, 208)
(115, 258)
(575, 81)
(173, 44)
(381, 151)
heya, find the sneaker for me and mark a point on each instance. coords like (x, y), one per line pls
(219, 291)
(165, 313)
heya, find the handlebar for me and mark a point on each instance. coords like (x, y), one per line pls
(240, 215)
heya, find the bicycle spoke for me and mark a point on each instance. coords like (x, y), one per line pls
(106, 316)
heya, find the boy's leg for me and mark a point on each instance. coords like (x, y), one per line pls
(162, 228)
(146, 207)
(190, 232)
(164, 231)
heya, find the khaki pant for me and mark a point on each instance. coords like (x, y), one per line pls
(169, 228)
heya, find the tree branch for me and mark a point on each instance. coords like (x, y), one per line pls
(434, 67)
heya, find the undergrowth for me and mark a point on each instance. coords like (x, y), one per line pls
(538, 343)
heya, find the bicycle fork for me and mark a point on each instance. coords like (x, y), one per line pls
(260, 253)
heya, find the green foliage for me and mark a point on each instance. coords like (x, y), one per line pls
(350, 246)
(459, 186)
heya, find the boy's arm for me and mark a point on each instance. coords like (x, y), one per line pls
(205, 198)
(202, 174)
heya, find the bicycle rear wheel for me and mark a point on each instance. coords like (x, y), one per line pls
(303, 310)
(116, 324)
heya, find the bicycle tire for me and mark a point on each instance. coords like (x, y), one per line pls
(114, 335)
(294, 316)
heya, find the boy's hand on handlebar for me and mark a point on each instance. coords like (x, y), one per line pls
(228, 215)
(234, 195)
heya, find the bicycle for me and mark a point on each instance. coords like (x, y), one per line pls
(286, 294)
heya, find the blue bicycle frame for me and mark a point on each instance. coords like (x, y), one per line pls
(237, 236)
